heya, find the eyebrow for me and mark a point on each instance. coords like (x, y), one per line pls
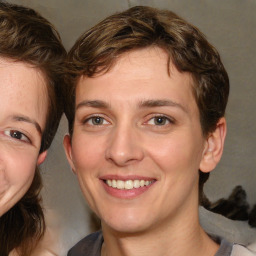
(26, 119)
(161, 103)
(142, 104)
(93, 104)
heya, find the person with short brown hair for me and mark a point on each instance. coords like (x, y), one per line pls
(146, 106)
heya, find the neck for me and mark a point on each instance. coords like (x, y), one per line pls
(185, 237)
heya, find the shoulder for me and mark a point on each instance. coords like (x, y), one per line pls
(232, 249)
(240, 250)
(90, 245)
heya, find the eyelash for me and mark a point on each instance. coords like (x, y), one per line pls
(90, 119)
(21, 136)
(165, 118)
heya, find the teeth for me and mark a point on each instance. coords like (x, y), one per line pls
(136, 184)
(113, 184)
(128, 184)
(120, 184)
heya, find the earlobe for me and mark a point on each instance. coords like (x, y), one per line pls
(214, 147)
(41, 157)
(68, 151)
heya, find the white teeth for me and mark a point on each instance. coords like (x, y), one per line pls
(114, 184)
(136, 184)
(128, 184)
(120, 184)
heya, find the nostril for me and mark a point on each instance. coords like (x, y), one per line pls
(123, 158)
(124, 147)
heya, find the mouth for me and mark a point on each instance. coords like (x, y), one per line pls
(128, 184)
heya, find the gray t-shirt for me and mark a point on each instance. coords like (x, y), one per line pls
(91, 246)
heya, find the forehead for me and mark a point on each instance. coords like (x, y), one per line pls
(139, 73)
(23, 90)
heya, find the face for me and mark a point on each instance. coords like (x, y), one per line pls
(137, 143)
(23, 108)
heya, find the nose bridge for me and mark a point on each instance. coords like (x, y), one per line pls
(124, 145)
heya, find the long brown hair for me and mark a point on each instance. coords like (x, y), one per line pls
(27, 37)
(23, 225)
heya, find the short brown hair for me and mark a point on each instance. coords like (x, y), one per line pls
(97, 50)
(27, 37)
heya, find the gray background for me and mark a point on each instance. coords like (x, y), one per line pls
(230, 26)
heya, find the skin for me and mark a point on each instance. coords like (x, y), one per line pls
(131, 142)
(23, 108)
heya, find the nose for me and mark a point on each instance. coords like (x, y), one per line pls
(124, 146)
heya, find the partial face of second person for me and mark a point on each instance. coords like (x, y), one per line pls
(23, 109)
(137, 143)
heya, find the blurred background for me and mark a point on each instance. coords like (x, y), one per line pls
(230, 26)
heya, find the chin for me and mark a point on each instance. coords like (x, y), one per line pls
(126, 224)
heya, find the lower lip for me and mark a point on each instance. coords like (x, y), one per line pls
(126, 193)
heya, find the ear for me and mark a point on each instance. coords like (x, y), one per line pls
(41, 157)
(68, 151)
(214, 147)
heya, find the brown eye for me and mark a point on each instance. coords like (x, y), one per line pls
(17, 135)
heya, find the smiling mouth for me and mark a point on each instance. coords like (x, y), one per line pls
(128, 184)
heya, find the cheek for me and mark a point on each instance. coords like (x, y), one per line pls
(87, 153)
(177, 153)
(88, 158)
(22, 170)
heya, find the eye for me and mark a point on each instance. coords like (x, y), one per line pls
(96, 120)
(17, 135)
(159, 121)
